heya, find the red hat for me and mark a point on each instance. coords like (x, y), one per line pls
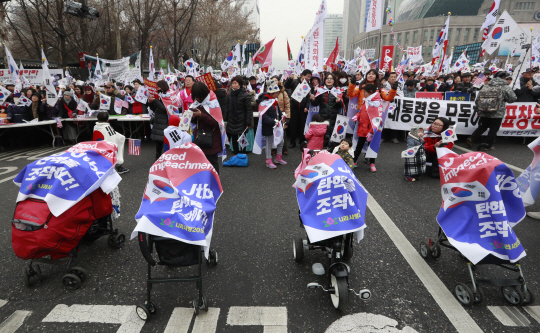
(174, 120)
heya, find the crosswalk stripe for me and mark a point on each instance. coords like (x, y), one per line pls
(18, 154)
(257, 316)
(534, 311)
(179, 321)
(2, 303)
(509, 316)
(206, 322)
(7, 178)
(14, 321)
(38, 156)
(13, 152)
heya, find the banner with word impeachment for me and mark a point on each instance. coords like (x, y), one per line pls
(520, 119)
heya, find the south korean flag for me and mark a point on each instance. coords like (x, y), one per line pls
(340, 129)
(410, 152)
(449, 135)
(243, 141)
(104, 102)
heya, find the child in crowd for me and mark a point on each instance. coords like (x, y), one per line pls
(316, 132)
(415, 166)
(173, 136)
(345, 150)
(103, 131)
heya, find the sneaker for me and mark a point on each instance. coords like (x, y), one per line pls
(120, 169)
(469, 142)
(279, 160)
(355, 166)
(382, 140)
(269, 164)
(395, 141)
(411, 179)
(488, 148)
(534, 215)
(372, 168)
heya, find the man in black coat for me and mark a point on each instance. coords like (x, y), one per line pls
(298, 109)
(524, 91)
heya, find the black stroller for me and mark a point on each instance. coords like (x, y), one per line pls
(172, 253)
(515, 291)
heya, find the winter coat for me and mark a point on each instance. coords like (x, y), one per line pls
(525, 94)
(159, 119)
(237, 120)
(63, 112)
(284, 102)
(410, 93)
(270, 116)
(221, 95)
(354, 91)
(429, 143)
(429, 88)
(464, 87)
(116, 93)
(207, 123)
(40, 114)
(415, 166)
(329, 107)
(16, 114)
(508, 97)
(315, 135)
(49, 112)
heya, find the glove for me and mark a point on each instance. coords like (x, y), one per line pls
(355, 118)
(395, 85)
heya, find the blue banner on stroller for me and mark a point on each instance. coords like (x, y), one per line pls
(332, 201)
(180, 197)
(481, 204)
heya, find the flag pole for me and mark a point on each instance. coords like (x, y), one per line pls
(445, 48)
(530, 57)
(380, 49)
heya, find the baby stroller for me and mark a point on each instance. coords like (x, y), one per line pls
(172, 253)
(176, 219)
(476, 220)
(61, 199)
(37, 233)
(335, 235)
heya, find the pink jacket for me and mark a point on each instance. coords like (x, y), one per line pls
(186, 100)
(315, 135)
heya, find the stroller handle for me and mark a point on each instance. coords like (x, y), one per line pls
(143, 245)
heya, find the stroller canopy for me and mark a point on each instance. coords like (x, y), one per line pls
(481, 202)
(180, 197)
(63, 179)
(332, 201)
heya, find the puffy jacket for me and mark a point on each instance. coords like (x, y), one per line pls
(16, 114)
(50, 112)
(429, 88)
(315, 135)
(159, 119)
(221, 95)
(63, 112)
(354, 91)
(525, 94)
(40, 114)
(270, 116)
(207, 123)
(508, 97)
(237, 120)
(329, 107)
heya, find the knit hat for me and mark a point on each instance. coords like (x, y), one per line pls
(163, 85)
(174, 120)
(68, 93)
(414, 130)
(272, 87)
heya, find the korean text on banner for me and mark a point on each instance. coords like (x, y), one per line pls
(386, 59)
(152, 88)
(208, 80)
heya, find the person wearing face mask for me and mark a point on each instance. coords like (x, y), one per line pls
(430, 85)
(237, 113)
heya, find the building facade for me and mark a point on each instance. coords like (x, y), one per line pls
(418, 22)
(352, 13)
(333, 28)
(255, 16)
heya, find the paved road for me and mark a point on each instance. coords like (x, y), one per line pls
(257, 286)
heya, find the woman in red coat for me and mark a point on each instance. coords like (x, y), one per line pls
(433, 140)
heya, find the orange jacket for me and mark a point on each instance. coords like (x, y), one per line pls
(364, 125)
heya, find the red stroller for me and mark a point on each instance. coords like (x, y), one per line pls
(37, 233)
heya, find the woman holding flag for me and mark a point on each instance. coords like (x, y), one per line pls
(328, 101)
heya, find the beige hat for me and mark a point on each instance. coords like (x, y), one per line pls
(272, 87)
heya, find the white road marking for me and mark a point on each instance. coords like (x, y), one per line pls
(179, 321)
(461, 320)
(2, 303)
(124, 315)
(274, 319)
(534, 311)
(366, 323)
(509, 316)
(49, 152)
(206, 322)
(7, 170)
(14, 321)
(515, 168)
(7, 178)
(22, 154)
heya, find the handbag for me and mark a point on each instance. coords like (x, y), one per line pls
(204, 138)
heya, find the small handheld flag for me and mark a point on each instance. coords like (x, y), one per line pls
(134, 147)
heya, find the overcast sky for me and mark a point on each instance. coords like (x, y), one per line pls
(290, 19)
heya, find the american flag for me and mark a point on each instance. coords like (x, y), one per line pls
(134, 147)
(480, 79)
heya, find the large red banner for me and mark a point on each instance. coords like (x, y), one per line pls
(386, 59)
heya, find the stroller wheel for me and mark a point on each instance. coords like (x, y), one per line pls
(512, 295)
(26, 277)
(340, 297)
(298, 249)
(424, 250)
(196, 306)
(150, 306)
(116, 241)
(204, 305)
(142, 312)
(71, 281)
(436, 251)
(464, 294)
(80, 272)
(212, 258)
(347, 247)
(479, 295)
(528, 296)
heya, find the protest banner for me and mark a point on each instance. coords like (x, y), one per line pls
(34, 76)
(457, 96)
(430, 95)
(208, 80)
(152, 88)
(520, 119)
(415, 53)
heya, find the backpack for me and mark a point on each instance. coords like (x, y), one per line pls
(490, 99)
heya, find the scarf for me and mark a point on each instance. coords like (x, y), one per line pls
(89, 98)
(233, 101)
(35, 109)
